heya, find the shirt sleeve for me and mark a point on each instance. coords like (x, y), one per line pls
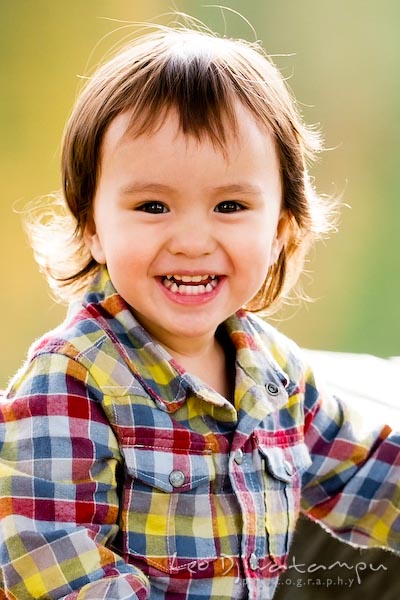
(353, 484)
(59, 461)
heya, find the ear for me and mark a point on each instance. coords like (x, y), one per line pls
(93, 242)
(281, 235)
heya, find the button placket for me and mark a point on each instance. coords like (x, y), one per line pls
(238, 456)
(253, 561)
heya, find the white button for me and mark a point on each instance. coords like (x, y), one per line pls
(176, 479)
(288, 467)
(238, 458)
(272, 389)
(253, 562)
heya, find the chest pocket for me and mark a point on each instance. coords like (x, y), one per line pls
(282, 489)
(167, 515)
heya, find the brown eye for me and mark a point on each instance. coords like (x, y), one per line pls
(228, 206)
(154, 208)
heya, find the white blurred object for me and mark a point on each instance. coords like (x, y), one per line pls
(369, 383)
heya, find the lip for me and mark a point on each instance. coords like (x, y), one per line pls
(197, 299)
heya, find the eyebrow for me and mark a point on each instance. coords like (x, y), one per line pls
(144, 187)
(149, 187)
(238, 188)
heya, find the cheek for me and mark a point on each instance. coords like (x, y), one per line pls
(257, 249)
(254, 266)
(256, 262)
(130, 261)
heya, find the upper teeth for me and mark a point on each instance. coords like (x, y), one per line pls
(191, 278)
(190, 285)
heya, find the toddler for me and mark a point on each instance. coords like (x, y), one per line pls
(160, 443)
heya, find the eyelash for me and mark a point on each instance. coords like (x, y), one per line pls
(229, 206)
(153, 208)
(157, 208)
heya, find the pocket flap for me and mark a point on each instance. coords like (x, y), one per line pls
(285, 463)
(168, 471)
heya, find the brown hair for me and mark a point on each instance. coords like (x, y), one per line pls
(201, 76)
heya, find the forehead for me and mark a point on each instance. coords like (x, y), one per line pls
(241, 130)
(166, 158)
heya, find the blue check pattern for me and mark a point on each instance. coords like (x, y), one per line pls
(124, 476)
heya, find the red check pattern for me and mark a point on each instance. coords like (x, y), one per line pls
(123, 476)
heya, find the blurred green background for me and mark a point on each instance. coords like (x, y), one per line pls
(342, 58)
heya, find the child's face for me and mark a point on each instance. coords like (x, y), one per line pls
(187, 231)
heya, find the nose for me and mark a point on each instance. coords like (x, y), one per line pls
(192, 235)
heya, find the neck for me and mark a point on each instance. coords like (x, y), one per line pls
(206, 357)
(209, 362)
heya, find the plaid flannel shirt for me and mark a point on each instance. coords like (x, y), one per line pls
(124, 477)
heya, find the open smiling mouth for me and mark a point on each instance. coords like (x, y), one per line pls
(190, 285)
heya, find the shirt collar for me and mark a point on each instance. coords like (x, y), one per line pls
(257, 373)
